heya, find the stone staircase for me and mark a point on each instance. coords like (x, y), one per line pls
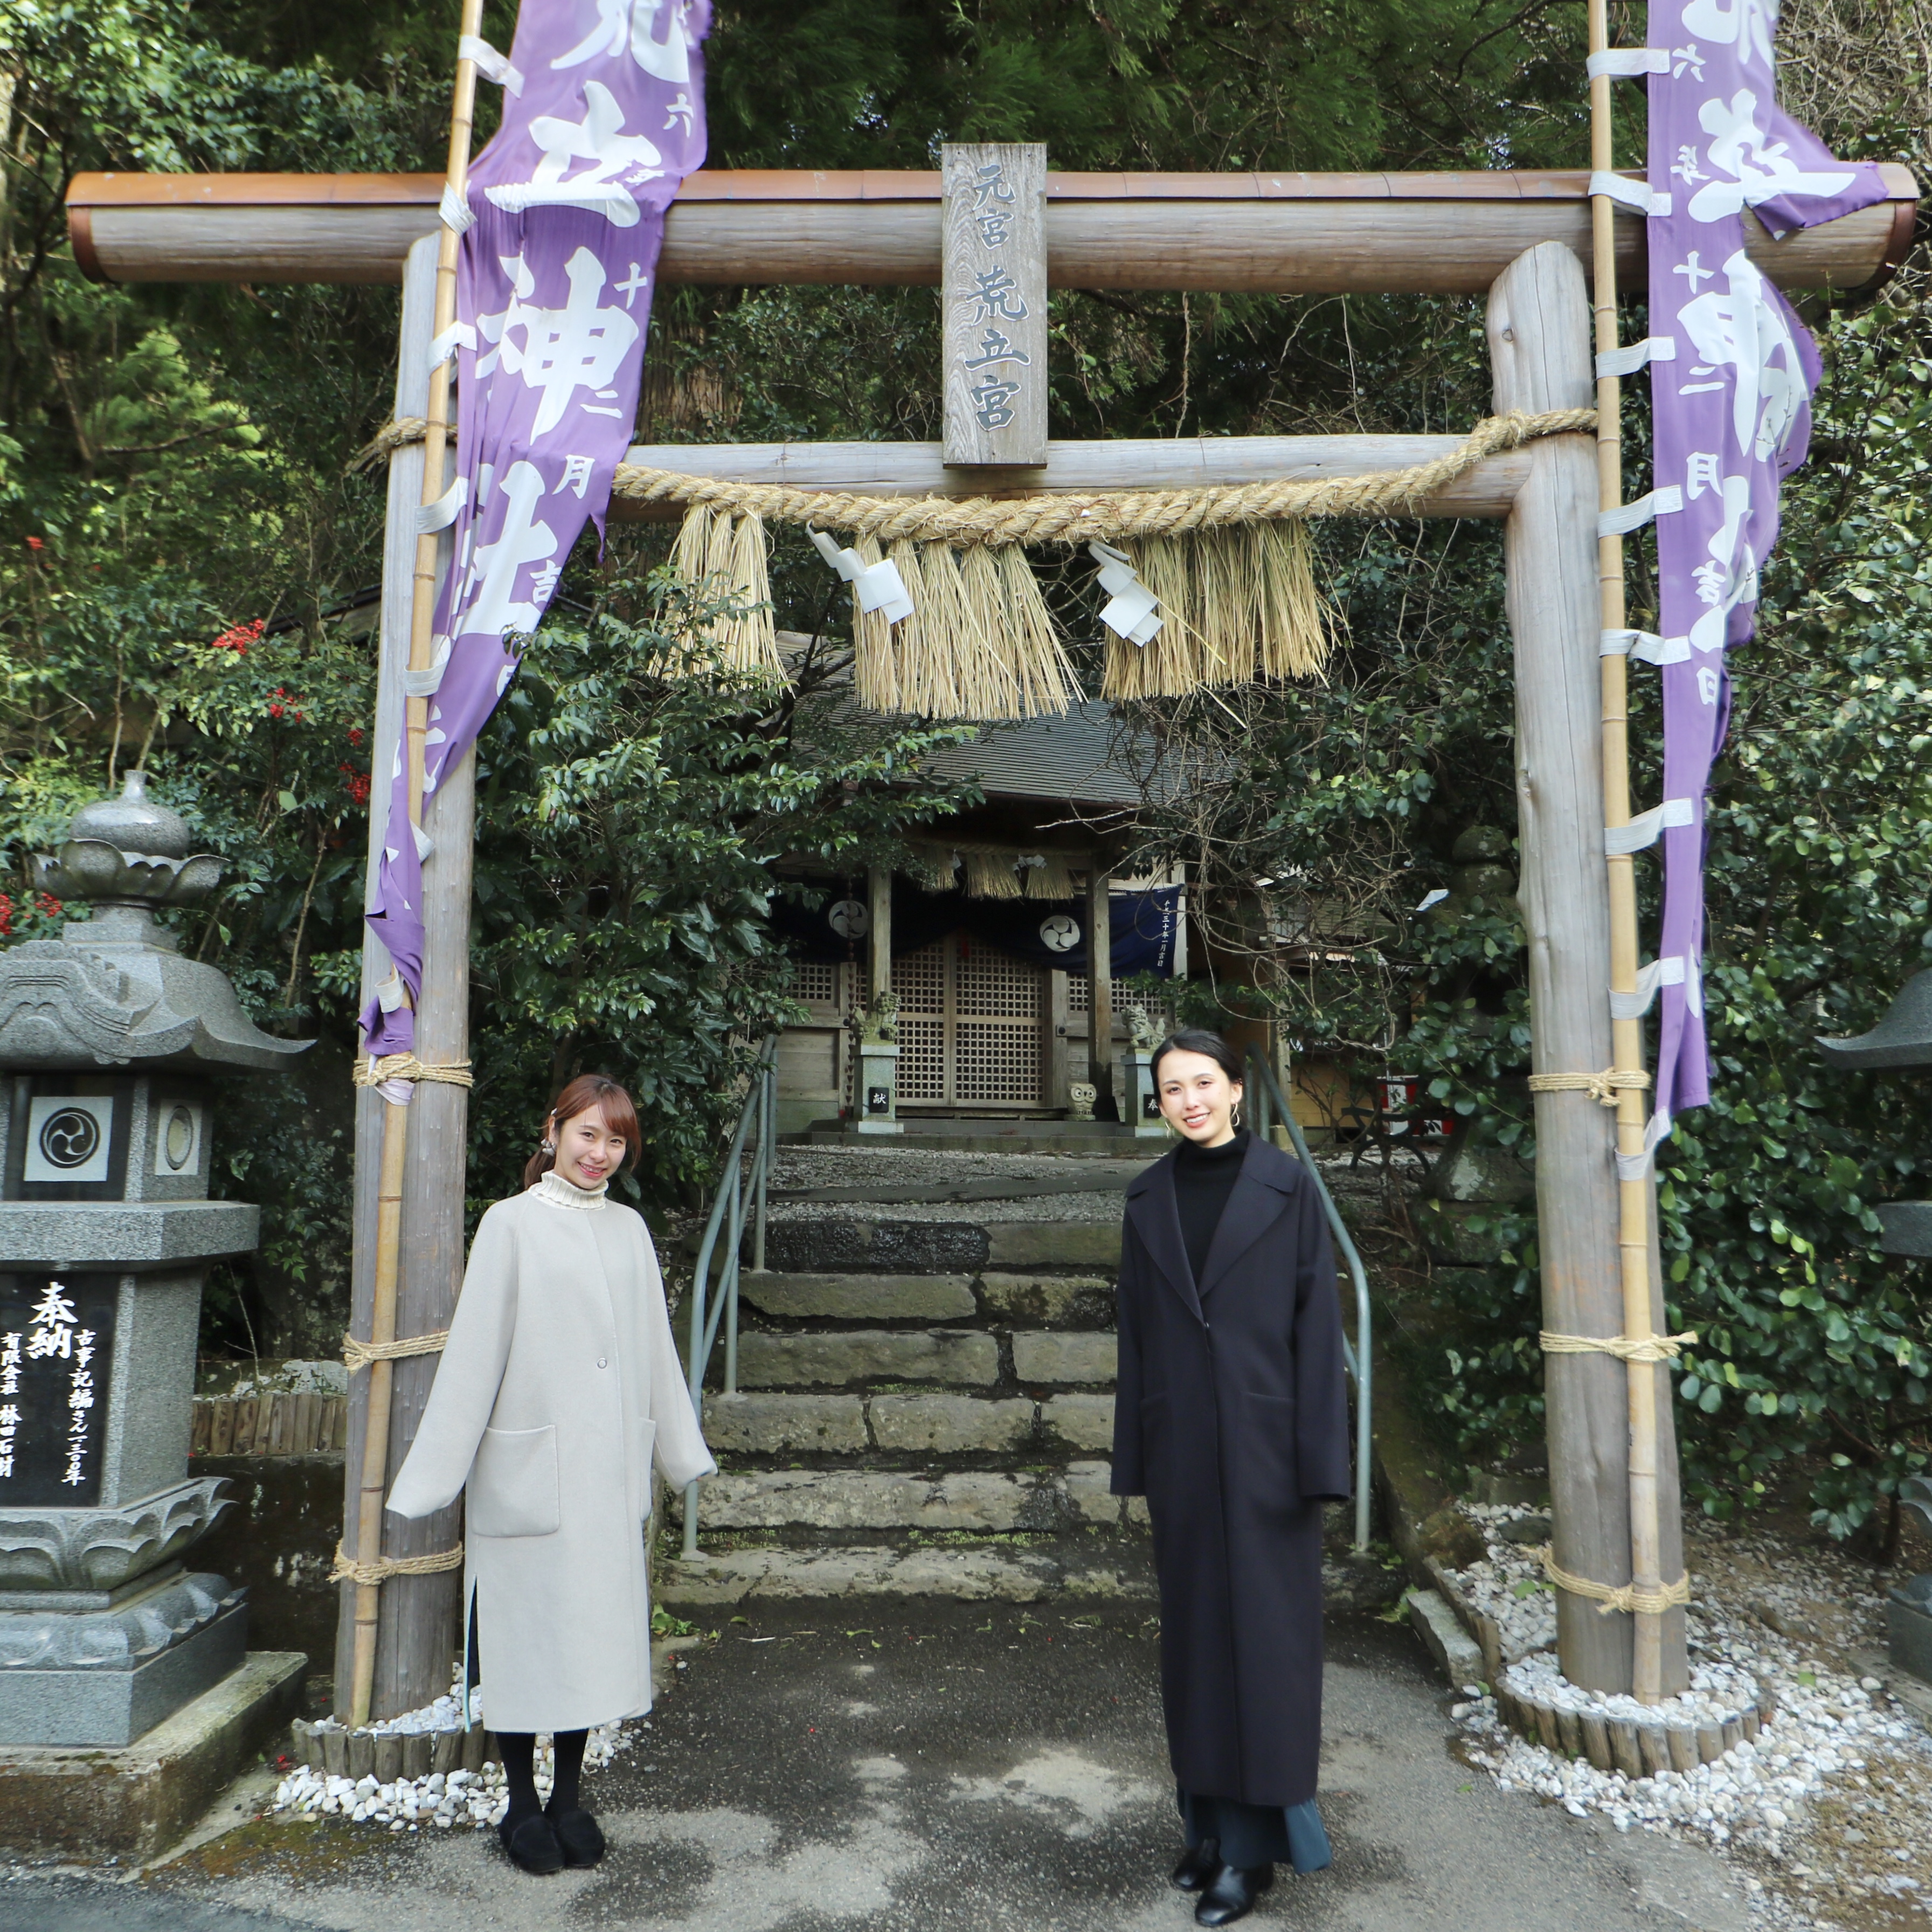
(925, 1402)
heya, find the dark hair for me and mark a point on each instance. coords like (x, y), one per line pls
(585, 1091)
(1198, 1039)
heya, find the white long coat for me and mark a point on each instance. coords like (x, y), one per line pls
(557, 1383)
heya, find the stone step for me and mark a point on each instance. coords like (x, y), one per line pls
(849, 1243)
(1120, 1569)
(965, 1357)
(981, 1500)
(777, 1424)
(861, 1297)
(986, 1573)
(996, 1297)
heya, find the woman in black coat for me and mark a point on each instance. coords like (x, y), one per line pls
(1231, 1417)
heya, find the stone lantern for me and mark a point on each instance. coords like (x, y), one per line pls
(107, 1037)
(1902, 1039)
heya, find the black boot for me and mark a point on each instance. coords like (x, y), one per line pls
(1199, 1865)
(1232, 1893)
(578, 1835)
(532, 1844)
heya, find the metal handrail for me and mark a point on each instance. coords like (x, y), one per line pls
(1360, 1359)
(734, 1203)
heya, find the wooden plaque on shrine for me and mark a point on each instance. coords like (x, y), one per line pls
(993, 300)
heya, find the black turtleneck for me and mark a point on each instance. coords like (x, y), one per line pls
(1204, 1177)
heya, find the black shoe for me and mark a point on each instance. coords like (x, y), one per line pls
(1231, 1894)
(1199, 1865)
(532, 1844)
(576, 1833)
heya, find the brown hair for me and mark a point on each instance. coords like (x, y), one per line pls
(585, 1091)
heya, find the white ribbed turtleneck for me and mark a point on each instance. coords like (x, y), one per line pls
(557, 1192)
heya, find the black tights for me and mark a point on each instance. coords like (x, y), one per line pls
(519, 1749)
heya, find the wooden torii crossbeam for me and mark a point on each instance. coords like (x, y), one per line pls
(1523, 239)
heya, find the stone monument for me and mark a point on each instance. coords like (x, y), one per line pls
(107, 1037)
(875, 1030)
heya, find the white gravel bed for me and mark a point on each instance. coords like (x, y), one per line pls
(1832, 1803)
(476, 1799)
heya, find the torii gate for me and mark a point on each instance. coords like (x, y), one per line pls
(1524, 239)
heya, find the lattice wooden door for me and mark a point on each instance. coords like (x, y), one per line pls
(970, 1019)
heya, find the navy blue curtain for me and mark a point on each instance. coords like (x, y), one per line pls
(1049, 932)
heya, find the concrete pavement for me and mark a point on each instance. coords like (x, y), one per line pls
(823, 1766)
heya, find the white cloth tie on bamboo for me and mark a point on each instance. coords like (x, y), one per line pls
(455, 212)
(554, 1191)
(1628, 516)
(1628, 63)
(1638, 197)
(1636, 1166)
(1645, 830)
(463, 335)
(440, 514)
(1646, 646)
(424, 683)
(425, 845)
(1659, 973)
(489, 63)
(875, 586)
(1624, 361)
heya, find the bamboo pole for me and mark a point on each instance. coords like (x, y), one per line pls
(1633, 1230)
(396, 1119)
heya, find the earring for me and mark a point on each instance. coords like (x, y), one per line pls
(549, 1147)
(1235, 1114)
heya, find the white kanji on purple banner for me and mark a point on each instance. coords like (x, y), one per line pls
(1732, 416)
(566, 210)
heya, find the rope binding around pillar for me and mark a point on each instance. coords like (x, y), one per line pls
(359, 1354)
(1602, 1087)
(1625, 1347)
(1609, 1598)
(407, 1066)
(351, 1570)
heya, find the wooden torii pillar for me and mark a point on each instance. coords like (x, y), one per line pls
(1524, 239)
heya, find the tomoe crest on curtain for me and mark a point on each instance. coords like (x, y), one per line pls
(1731, 372)
(603, 117)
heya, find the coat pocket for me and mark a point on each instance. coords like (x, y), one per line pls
(513, 1487)
(647, 1440)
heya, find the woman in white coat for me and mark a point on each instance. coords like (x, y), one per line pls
(558, 1383)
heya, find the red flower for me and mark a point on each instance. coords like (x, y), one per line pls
(6, 916)
(35, 543)
(357, 783)
(355, 734)
(239, 637)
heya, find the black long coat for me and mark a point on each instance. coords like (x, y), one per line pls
(1231, 1418)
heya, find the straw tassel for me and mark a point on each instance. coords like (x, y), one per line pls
(875, 668)
(1050, 879)
(1295, 629)
(989, 874)
(748, 636)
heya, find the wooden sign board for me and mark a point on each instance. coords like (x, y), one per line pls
(993, 303)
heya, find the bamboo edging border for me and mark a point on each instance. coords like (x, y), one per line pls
(395, 1119)
(1623, 1745)
(284, 1423)
(337, 1750)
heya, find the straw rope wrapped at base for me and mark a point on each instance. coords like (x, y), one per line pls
(1230, 564)
(350, 1570)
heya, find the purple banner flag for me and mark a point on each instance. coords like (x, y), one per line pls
(1732, 371)
(603, 118)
